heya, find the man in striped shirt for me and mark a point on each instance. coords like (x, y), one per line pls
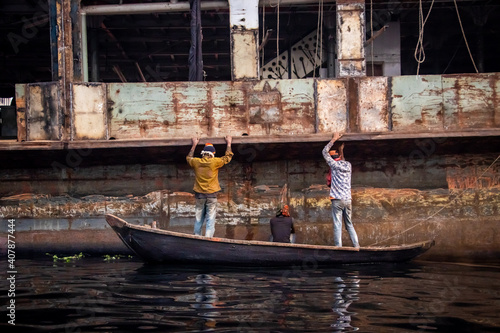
(340, 192)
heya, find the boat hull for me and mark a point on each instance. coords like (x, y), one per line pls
(155, 245)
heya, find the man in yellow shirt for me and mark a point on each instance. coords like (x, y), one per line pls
(206, 185)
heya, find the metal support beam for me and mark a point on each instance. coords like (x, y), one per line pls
(53, 39)
(84, 42)
(244, 29)
(330, 44)
(351, 60)
(76, 35)
(164, 7)
(147, 8)
(61, 34)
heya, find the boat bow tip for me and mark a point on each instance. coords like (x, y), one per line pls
(115, 221)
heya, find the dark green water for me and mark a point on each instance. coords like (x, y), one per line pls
(125, 295)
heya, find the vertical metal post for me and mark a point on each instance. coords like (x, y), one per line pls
(85, 55)
(330, 44)
(62, 60)
(76, 36)
(244, 30)
(351, 60)
(53, 39)
(94, 54)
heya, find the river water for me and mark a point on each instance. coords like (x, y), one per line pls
(126, 295)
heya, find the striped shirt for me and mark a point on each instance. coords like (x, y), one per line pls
(341, 175)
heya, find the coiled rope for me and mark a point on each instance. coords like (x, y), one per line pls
(419, 49)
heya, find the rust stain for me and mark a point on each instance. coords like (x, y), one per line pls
(352, 93)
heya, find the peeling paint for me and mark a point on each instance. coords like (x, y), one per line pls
(44, 114)
(404, 104)
(350, 40)
(417, 103)
(89, 112)
(373, 105)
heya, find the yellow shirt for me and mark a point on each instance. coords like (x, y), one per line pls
(206, 171)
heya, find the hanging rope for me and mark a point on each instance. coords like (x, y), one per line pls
(445, 206)
(463, 33)
(419, 49)
(453, 57)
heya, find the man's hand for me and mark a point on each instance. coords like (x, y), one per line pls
(195, 141)
(336, 136)
(228, 139)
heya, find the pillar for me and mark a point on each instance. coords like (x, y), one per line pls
(244, 32)
(63, 17)
(61, 40)
(351, 60)
(330, 44)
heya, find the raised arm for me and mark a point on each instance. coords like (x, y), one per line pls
(228, 139)
(195, 141)
(326, 150)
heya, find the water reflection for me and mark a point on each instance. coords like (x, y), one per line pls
(345, 294)
(206, 300)
(129, 296)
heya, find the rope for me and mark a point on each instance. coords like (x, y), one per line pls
(453, 57)
(420, 58)
(463, 33)
(445, 206)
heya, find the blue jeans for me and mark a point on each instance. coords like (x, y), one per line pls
(205, 210)
(342, 209)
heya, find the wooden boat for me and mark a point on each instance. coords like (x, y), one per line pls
(156, 245)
